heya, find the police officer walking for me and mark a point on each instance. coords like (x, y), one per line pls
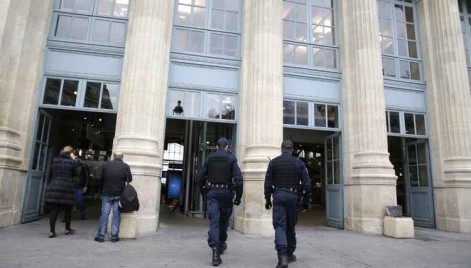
(286, 176)
(219, 176)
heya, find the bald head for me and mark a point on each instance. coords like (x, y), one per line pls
(118, 155)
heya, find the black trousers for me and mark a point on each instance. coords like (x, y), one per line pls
(54, 210)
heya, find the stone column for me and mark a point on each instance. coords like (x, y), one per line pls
(23, 29)
(370, 183)
(141, 115)
(449, 110)
(260, 125)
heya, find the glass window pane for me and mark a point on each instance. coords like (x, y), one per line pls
(47, 125)
(387, 46)
(288, 112)
(332, 116)
(216, 44)
(389, 67)
(336, 172)
(411, 154)
(300, 13)
(288, 30)
(192, 104)
(39, 130)
(401, 29)
(121, 8)
(64, 23)
(387, 122)
(101, 31)
(228, 107)
(220, 4)
(410, 31)
(42, 157)
(386, 27)
(199, 17)
(109, 100)
(92, 95)
(412, 49)
(288, 11)
(200, 3)
(330, 59)
(187, 2)
(79, 28)
(317, 34)
(217, 19)
(213, 104)
(232, 21)
(394, 122)
(415, 70)
(51, 92)
(318, 57)
(414, 180)
(181, 39)
(328, 17)
(37, 147)
(399, 11)
(176, 103)
(402, 48)
(302, 113)
(420, 124)
(197, 42)
(288, 53)
(301, 55)
(118, 33)
(67, 4)
(422, 154)
(184, 15)
(409, 122)
(316, 15)
(404, 69)
(384, 10)
(84, 5)
(423, 176)
(328, 36)
(320, 115)
(330, 177)
(300, 29)
(409, 14)
(231, 45)
(232, 5)
(105, 7)
(69, 92)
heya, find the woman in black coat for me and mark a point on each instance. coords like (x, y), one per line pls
(60, 193)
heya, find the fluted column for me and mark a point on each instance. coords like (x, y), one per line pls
(260, 125)
(24, 27)
(370, 183)
(141, 114)
(449, 110)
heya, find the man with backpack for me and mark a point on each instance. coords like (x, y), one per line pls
(115, 174)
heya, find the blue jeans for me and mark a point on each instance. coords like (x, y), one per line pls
(219, 211)
(285, 217)
(108, 203)
(80, 202)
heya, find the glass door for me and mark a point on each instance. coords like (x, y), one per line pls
(333, 182)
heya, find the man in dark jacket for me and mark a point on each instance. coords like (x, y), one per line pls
(286, 175)
(219, 176)
(115, 174)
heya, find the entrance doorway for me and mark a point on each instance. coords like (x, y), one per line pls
(320, 151)
(410, 158)
(187, 144)
(90, 133)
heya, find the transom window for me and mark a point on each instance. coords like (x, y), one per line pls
(80, 94)
(309, 33)
(309, 114)
(202, 105)
(465, 16)
(405, 123)
(91, 21)
(207, 27)
(399, 39)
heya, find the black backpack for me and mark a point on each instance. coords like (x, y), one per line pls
(128, 202)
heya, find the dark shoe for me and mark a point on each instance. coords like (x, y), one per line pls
(282, 260)
(114, 240)
(291, 257)
(216, 258)
(69, 231)
(100, 240)
(52, 235)
(222, 248)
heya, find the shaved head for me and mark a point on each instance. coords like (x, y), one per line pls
(118, 155)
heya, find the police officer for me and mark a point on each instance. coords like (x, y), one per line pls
(219, 176)
(286, 176)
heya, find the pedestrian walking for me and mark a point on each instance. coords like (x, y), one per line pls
(115, 174)
(218, 178)
(286, 176)
(60, 193)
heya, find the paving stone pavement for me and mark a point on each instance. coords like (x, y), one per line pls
(181, 242)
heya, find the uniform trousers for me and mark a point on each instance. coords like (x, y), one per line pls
(219, 207)
(285, 217)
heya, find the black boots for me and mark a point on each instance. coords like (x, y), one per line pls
(216, 258)
(222, 248)
(282, 260)
(291, 257)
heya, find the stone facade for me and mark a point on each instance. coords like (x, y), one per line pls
(369, 180)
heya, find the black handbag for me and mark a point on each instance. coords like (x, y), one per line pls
(128, 202)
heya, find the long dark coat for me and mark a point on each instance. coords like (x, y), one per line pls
(61, 190)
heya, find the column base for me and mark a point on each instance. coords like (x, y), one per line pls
(453, 208)
(256, 227)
